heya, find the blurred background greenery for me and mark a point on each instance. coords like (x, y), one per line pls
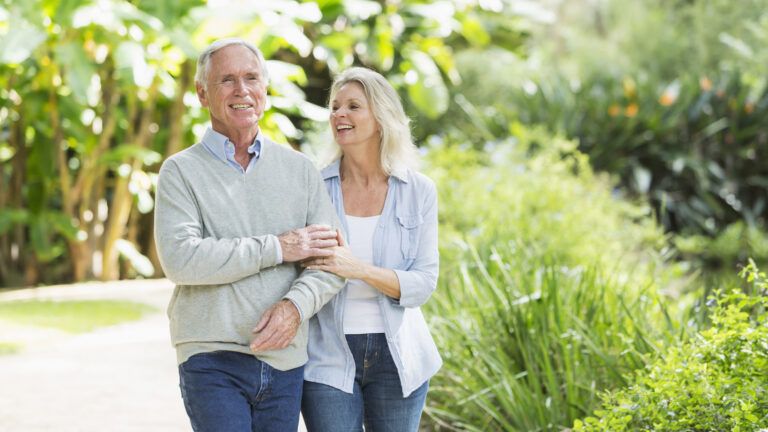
(601, 165)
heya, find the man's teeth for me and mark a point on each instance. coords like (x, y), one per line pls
(240, 106)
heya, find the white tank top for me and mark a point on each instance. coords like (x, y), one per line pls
(361, 310)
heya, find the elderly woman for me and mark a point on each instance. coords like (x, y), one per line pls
(370, 352)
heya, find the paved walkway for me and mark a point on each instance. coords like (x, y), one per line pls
(118, 378)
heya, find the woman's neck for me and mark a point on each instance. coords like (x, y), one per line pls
(363, 169)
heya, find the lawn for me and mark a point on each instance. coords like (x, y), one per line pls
(71, 316)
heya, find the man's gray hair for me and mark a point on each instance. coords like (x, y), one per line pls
(204, 61)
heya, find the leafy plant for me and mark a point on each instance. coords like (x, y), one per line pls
(715, 381)
(549, 290)
(669, 97)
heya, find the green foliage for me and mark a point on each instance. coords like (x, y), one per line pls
(729, 246)
(539, 192)
(93, 95)
(670, 97)
(548, 291)
(72, 316)
(715, 381)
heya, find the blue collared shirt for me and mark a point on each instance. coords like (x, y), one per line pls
(224, 150)
(405, 241)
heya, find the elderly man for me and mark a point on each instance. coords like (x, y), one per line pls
(234, 213)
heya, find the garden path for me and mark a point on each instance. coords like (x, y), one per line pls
(121, 378)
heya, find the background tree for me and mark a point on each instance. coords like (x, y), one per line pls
(97, 93)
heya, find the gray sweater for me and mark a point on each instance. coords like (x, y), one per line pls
(216, 229)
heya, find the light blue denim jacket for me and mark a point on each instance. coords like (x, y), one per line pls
(406, 241)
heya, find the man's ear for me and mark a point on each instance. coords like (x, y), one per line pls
(202, 95)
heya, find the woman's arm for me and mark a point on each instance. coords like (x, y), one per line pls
(344, 264)
(407, 288)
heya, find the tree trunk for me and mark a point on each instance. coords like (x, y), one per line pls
(18, 176)
(122, 201)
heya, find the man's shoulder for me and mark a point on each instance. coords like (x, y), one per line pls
(192, 152)
(285, 153)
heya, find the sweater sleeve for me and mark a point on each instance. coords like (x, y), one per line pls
(186, 256)
(419, 282)
(314, 288)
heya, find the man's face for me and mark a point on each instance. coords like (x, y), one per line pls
(236, 91)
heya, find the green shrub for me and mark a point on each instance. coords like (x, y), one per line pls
(669, 97)
(549, 285)
(717, 381)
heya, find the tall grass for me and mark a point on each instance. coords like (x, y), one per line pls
(550, 285)
(527, 342)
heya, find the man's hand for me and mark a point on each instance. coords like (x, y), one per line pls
(277, 327)
(311, 241)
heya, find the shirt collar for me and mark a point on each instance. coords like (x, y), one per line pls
(332, 170)
(222, 148)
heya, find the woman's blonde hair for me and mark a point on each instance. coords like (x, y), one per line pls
(397, 150)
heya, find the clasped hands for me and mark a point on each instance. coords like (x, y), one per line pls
(316, 247)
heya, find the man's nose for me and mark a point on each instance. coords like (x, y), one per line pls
(240, 85)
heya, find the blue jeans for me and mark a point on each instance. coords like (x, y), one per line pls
(226, 391)
(377, 398)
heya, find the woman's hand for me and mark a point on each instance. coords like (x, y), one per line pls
(341, 263)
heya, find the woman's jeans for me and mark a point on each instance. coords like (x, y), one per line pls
(226, 391)
(377, 399)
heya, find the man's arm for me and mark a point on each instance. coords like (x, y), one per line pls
(190, 259)
(310, 291)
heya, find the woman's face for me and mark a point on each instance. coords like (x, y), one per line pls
(352, 120)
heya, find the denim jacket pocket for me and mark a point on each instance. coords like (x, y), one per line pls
(409, 235)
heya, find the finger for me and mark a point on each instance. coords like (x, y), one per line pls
(324, 243)
(265, 340)
(322, 235)
(275, 337)
(340, 238)
(264, 343)
(263, 322)
(317, 227)
(321, 252)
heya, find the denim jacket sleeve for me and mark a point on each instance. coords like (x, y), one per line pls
(419, 280)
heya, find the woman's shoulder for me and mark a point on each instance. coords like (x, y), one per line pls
(330, 170)
(419, 181)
